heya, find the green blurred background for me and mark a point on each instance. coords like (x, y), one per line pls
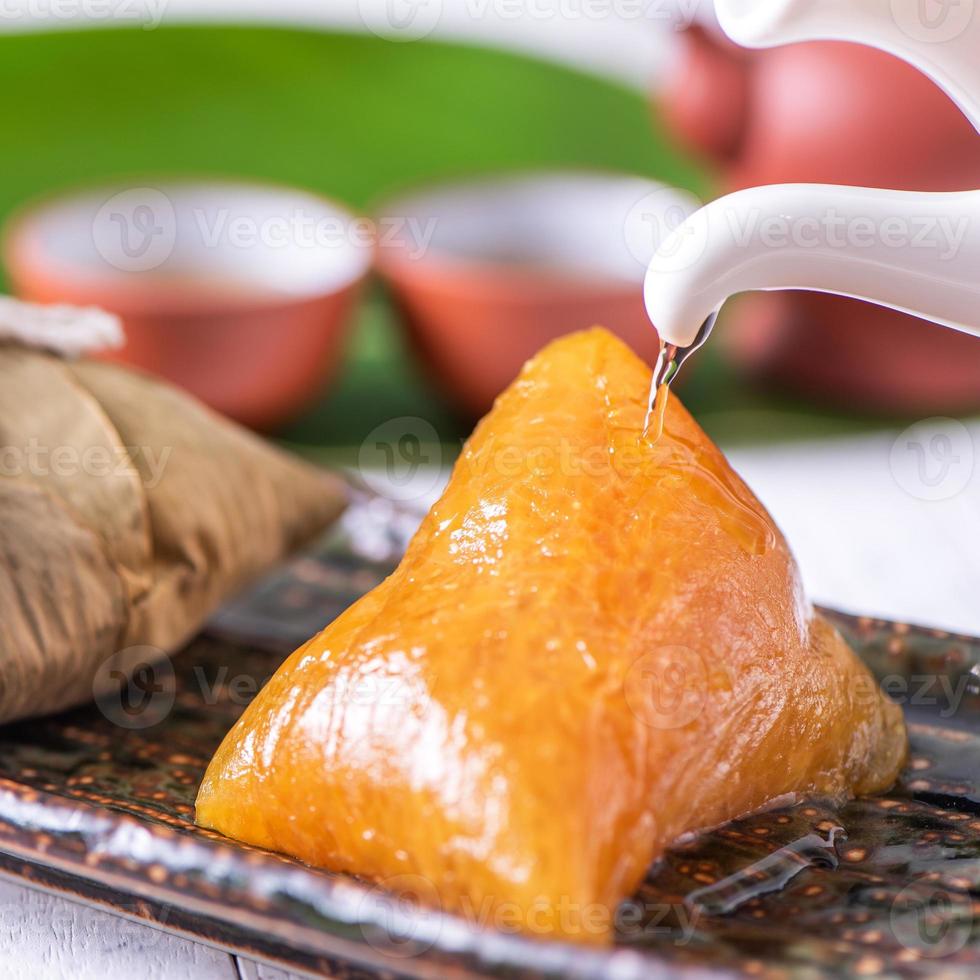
(354, 117)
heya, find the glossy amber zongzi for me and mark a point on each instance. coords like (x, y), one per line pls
(593, 645)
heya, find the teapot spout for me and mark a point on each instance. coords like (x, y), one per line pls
(913, 252)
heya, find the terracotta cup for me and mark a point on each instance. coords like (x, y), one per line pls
(832, 113)
(239, 292)
(487, 271)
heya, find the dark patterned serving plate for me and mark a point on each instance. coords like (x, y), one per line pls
(98, 804)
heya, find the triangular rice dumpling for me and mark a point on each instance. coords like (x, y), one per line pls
(593, 645)
(128, 512)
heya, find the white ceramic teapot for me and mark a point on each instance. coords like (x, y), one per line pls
(914, 252)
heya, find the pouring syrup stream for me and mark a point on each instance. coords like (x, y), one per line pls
(669, 362)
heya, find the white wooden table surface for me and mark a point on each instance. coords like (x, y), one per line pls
(48, 938)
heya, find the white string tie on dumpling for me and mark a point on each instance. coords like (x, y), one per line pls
(69, 331)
